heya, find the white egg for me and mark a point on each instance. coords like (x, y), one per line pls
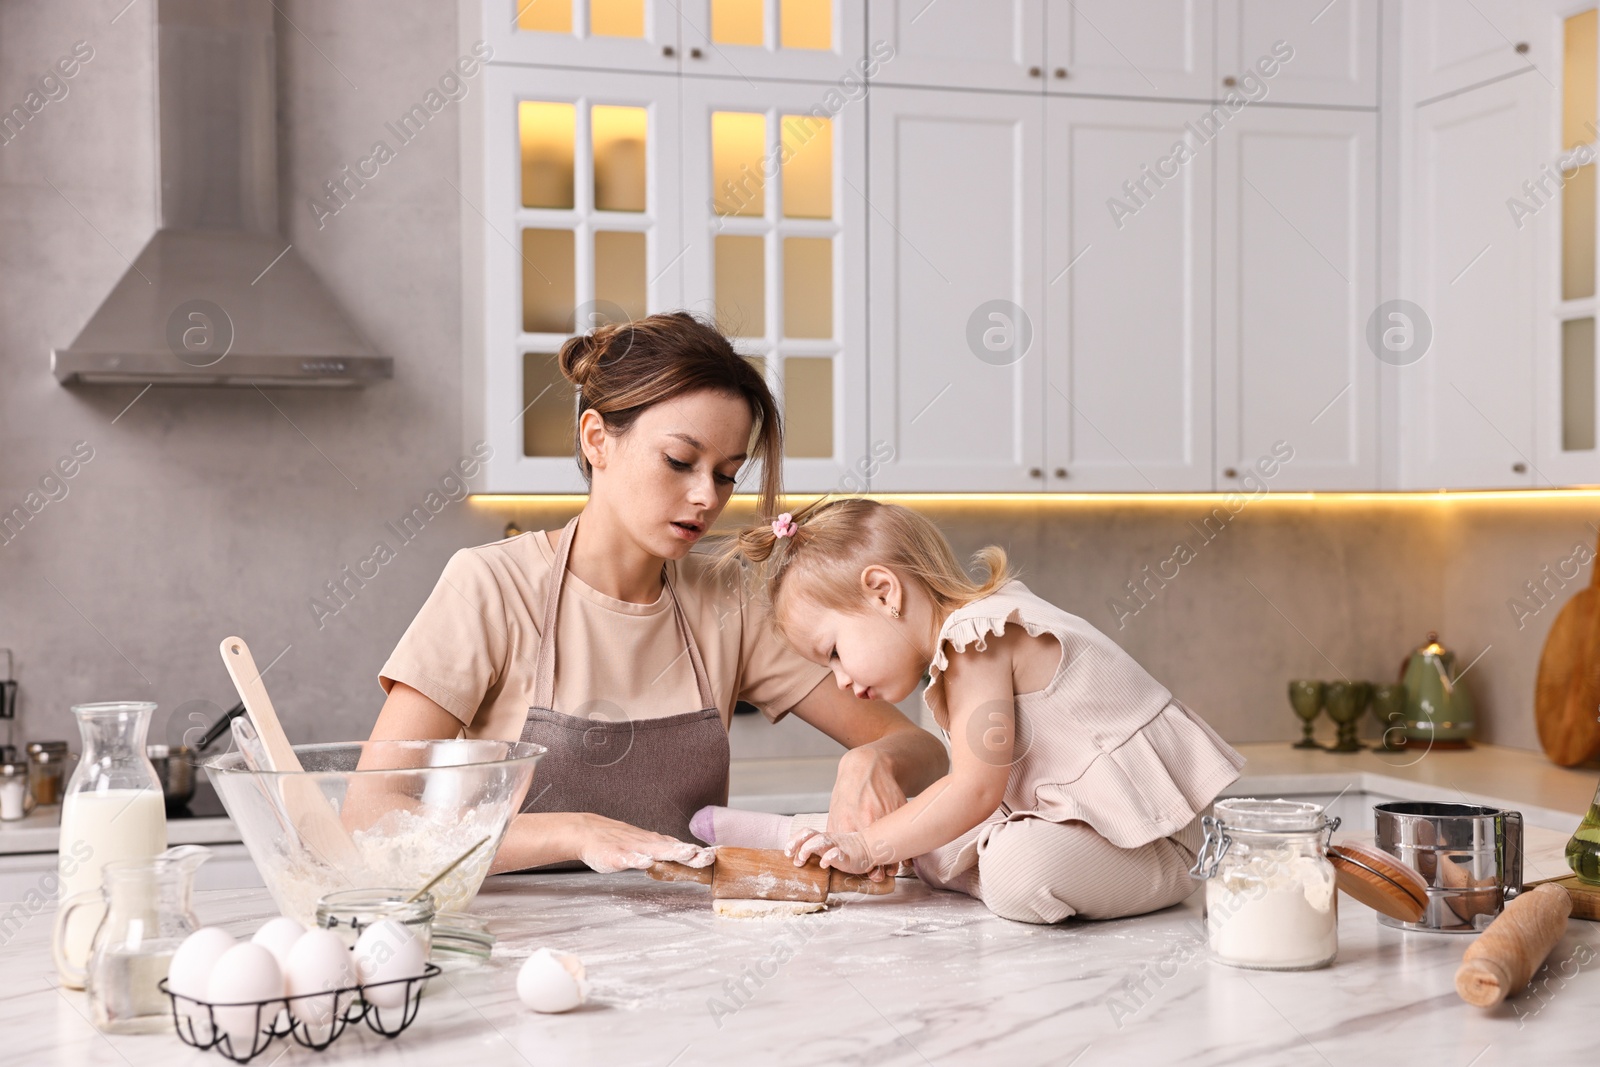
(552, 981)
(243, 975)
(278, 936)
(386, 951)
(318, 963)
(190, 971)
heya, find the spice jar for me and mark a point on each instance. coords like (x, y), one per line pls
(1271, 900)
(347, 912)
(14, 799)
(47, 770)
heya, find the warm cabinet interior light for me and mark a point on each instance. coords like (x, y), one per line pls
(548, 135)
(616, 18)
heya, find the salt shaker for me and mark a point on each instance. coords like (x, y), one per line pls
(1271, 894)
(15, 800)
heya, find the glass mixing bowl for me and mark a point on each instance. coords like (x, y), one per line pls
(399, 812)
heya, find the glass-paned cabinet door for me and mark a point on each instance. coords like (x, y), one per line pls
(774, 231)
(811, 40)
(1565, 365)
(577, 219)
(639, 35)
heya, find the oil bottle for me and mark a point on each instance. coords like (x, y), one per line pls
(1583, 851)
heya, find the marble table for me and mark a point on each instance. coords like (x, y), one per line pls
(920, 977)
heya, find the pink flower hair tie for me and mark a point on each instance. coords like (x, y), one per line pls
(783, 525)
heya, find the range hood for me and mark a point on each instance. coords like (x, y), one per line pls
(218, 296)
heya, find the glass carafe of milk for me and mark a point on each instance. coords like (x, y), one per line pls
(112, 810)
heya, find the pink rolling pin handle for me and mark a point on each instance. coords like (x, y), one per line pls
(1505, 956)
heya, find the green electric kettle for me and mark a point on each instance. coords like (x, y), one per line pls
(1438, 708)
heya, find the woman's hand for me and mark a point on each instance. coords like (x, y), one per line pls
(609, 846)
(864, 791)
(850, 852)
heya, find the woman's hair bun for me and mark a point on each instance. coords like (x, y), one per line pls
(580, 355)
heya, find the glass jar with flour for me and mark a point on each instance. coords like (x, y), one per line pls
(1271, 894)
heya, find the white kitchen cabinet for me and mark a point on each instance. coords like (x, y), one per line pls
(956, 356)
(806, 40)
(627, 35)
(1450, 46)
(775, 252)
(1335, 46)
(1142, 48)
(973, 44)
(573, 219)
(1128, 298)
(1467, 406)
(1296, 262)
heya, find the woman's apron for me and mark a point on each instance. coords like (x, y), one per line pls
(650, 773)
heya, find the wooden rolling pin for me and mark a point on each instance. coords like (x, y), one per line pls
(768, 874)
(1504, 957)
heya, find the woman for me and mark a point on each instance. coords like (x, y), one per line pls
(610, 645)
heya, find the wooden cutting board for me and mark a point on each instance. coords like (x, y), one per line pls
(1566, 696)
(1585, 897)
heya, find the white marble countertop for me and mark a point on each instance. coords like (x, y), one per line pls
(920, 977)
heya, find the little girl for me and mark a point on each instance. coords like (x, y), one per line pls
(1076, 780)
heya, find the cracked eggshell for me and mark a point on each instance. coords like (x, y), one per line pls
(552, 981)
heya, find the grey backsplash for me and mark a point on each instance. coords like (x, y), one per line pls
(207, 513)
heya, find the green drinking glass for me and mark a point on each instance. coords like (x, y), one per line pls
(1305, 697)
(1347, 702)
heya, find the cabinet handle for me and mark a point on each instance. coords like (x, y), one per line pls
(668, 51)
(1522, 48)
(1034, 72)
(1035, 472)
(1061, 72)
(1061, 472)
(694, 53)
(1230, 81)
(1230, 472)
(1520, 468)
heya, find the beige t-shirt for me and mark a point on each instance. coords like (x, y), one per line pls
(471, 648)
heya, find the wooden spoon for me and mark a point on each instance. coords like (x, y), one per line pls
(308, 810)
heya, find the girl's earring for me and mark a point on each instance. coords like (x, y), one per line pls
(894, 613)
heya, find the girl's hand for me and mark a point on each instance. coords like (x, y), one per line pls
(609, 846)
(850, 852)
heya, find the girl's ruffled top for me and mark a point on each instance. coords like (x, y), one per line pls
(1103, 742)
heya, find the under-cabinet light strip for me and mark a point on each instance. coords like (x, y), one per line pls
(1447, 496)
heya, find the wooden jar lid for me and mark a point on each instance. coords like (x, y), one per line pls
(1380, 881)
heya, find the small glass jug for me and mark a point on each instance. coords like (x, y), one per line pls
(148, 910)
(112, 810)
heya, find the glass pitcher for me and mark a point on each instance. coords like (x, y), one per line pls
(112, 810)
(148, 909)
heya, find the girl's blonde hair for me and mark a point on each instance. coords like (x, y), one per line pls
(835, 539)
